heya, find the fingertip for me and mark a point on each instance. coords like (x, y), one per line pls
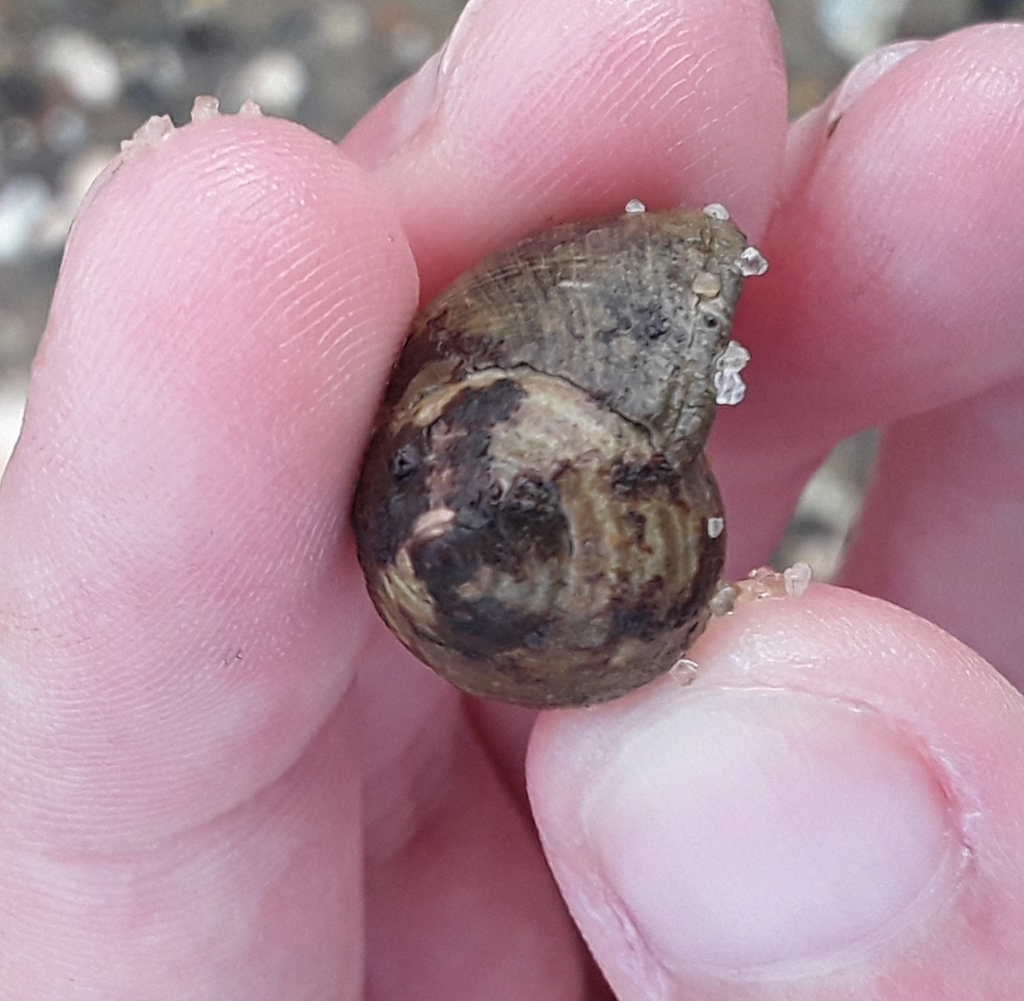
(209, 229)
(174, 530)
(888, 292)
(892, 240)
(526, 119)
(236, 271)
(807, 812)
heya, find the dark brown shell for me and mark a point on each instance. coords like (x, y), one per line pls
(533, 511)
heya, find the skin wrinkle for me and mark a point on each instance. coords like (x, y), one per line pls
(327, 317)
(547, 136)
(617, 52)
(298, 266)
(342, 314)
(999, 83)
(313, 285)
(275, 242)
(647, 45)
(668, 101)
(305, 309)
(650, 92)
(863, 76)
(360, 374)
(588, 202)
(229, 174)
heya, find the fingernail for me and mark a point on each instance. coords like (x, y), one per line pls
(403, 112)
(395, 120)
(750, 830)
(868, 72)
(452, 49)
(437, 73)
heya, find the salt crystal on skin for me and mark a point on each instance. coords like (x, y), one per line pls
(152, 132)
(205, 107)
(764, 582)
(797, 579)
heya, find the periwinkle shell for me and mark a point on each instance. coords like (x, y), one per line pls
(535, 516)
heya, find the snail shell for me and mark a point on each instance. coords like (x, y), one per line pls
(535, 516)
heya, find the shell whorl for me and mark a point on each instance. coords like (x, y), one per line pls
(535, 516)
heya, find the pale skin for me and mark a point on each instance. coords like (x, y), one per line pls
(189, 663)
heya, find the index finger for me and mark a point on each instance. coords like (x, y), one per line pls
(529, 117)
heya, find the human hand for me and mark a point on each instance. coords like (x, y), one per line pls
(190, 664)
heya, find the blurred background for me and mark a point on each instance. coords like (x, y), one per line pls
(78, 76)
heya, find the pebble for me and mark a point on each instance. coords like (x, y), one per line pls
(24, 201)
(342, 25)
(84, 65)
(853, 28)
(411, 43)
(276, 79)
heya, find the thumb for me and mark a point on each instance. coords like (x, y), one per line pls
(832, 807)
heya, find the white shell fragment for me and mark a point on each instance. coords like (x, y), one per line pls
(752, 262)
(154, 130)
(717, 211)
(764, 582)
(715, 527)
(684, 671)
(729, 385)
(797, 579)
(723, 601)
(634, 205)
(204, 107)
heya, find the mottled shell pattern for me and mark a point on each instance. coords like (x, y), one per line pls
(535, 517)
